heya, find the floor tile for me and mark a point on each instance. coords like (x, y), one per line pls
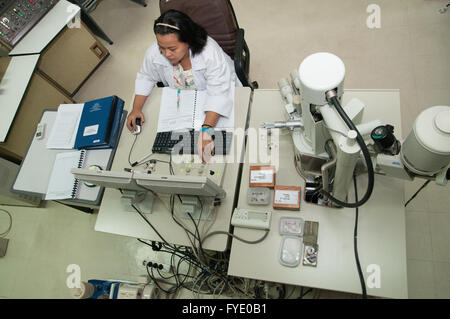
(11, 272)
(418, 236)
(391, 41)
(409, 110)
(42, 280)
(438, 198)
(440, 236)
(426, 12)
(23, 230)
(432, 97)
(432, 71)
(391, 72)
(442, 280)
(420, 279)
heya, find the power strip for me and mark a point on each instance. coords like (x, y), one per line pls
(158, 266)
(250, 218)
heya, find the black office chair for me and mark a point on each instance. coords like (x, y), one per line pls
(217, 17)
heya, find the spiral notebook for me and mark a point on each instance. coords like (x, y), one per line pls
(62, 184)
(184, 110)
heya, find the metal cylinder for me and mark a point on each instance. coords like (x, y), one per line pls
(426, 149)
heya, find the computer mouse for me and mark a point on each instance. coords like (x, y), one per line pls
(137, 126)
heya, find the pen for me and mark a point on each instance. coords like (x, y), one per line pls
(178, 99)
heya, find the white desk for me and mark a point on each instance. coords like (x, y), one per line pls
(25, 56)
(36, 168)
(12, 88)
(381, 228)
(112, 219)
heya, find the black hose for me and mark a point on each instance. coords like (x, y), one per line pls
(415, 194)
(366, 154)
(355, 246)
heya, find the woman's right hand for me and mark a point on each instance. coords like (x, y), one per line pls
(131, 119)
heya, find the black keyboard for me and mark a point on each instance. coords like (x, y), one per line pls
(185, 142)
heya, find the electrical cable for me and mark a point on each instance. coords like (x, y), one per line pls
(178, 269)
(166, 278)
(176, 221)
(219, 280)
(143, 159)
(174, 252)
(196, 231)
(238, 238)
(219, 275)
(131, 149)
(210, 271)
(201, 258)
(155, 280)
(170, 165)
(180, 281)
(303, 294)
(290, 294)
(187, 254)
(94, 8)
(172, 290)
(366, 154)
(10, 223)
(150, 224)
(355, 239)
(196, 227)
(416, 193)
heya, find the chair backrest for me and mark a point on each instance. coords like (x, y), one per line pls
(215, 16)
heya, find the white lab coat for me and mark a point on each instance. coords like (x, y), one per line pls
(212, 68)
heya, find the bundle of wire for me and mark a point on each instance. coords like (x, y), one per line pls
(206, 271)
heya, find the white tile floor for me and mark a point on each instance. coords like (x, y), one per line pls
(409, 52)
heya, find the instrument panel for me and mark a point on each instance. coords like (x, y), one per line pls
(17, 17)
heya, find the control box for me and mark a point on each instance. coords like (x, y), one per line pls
(17, 17)
(191, 165)
(250, 218)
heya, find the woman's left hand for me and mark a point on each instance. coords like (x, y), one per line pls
(205, 146)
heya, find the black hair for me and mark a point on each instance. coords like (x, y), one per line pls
(190, 32)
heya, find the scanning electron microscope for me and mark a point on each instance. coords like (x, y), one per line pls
(332, 145)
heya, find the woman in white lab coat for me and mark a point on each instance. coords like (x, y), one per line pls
(185, 57)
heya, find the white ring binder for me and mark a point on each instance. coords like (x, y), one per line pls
(195, 109)
(76, 184)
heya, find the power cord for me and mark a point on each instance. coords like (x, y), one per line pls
(234, 236)
(303, 294)
(10, 223)
(355, 239)
(150, 224)
(416, 193)
(131, 149)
